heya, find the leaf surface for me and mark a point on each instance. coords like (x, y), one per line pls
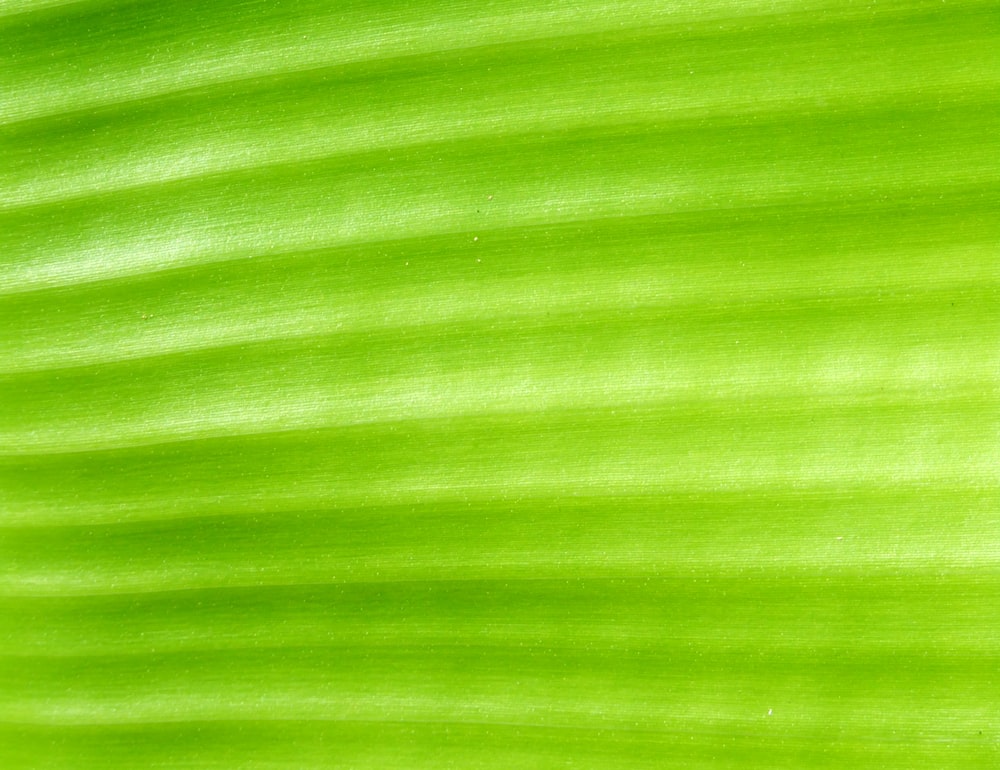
(499, 384)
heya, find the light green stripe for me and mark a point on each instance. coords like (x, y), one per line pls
(612, 79)
(624, 360)
(654, 450)
(678, 262)
(134, 54)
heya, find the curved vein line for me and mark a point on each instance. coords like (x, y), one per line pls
(641, 26)
(862, 200)
(522, 320)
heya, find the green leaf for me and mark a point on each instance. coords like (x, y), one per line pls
(499, 384)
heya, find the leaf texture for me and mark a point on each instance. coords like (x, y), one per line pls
(499, 384)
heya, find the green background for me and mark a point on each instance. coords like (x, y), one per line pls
(499, 384)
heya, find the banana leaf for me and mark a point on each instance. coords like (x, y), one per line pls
(499, 384)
